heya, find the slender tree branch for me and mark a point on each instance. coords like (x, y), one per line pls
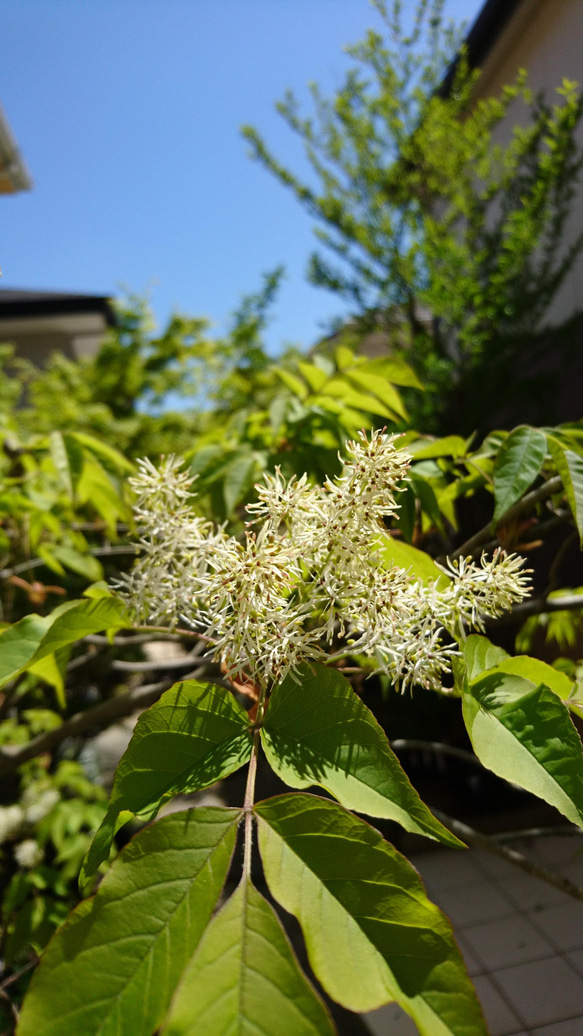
(536, 605)
(140, 638)
(491, 845)
(477, 541)
(537, 832)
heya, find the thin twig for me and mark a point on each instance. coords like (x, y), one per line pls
(248, 806)
(537, 832)
(477, 541)
(491, 845)
(140, 638)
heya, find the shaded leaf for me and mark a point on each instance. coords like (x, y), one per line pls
(113, 966)
(320, 732)
(194, 735)
(371, 934)
(569, 466)
(523, 733)
(518, 463)
(244, 978)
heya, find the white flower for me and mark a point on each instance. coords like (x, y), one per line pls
(313, 579)
(28, 854)
(11, 820)
(37, 807)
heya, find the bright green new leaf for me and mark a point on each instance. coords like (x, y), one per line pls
(61, 461)
(537, 672)
(102, 449)
(84, 564)
(194, 735)
(379, 387)
(518, 463)
(113, 966)
(244, 978)
(479, 654)
(313, 375)
(295, 385)
(569, 466)
(523, 733)
(320, 732)
(371, 934)
(82, 618)
(20, 644)
(397, 553)
(450, 446)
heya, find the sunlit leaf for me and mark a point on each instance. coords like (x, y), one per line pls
(371, 934)
(518, 463)
(113, 966)
(244, 978)
(318, 731)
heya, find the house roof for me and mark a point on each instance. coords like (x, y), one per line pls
(489, 24)
(16, 303)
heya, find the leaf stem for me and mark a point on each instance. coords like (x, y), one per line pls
(250, 786)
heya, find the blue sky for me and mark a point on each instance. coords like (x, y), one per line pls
(128, 113)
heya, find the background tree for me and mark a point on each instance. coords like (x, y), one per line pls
(442, 237)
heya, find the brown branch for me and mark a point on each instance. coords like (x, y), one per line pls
(12, 756)
(491, 845)
(480, 538)
(536, 605)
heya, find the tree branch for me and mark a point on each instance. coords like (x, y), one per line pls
(491, 845)
(480, 538)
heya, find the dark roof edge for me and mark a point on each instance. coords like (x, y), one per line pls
(488, 26)
(42, 305)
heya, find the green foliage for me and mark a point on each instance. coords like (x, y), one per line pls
(245, 978)
(321, 733)
(137, 933)
(440, 236)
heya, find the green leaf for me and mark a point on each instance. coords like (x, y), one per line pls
(379, 387)
(450, 446)
(103, 450)
(569, 466)
(194, 735)
(402, 555)
(84, 564)
(537, 672)
(313, 375)
(518, 463)
(61, 461)
(19, 644)
(238, 478)
(479, 654)
(113, 966)
(371, 934)
(244, 978)
(292, 383)
(320, 732)
(82, 618)
(397, 372)
(523, 733)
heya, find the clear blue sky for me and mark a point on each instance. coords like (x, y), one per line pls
(128, 112)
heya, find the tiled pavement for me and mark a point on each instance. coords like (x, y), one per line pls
(522, 939)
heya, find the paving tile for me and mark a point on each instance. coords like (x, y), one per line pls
(390, 1019)
(576, 961)
(446, 868)
(500, 1018)
(556, 849)
(474, 966)
(572, 1027)
(492, 865)
(507, 941)
(528, 893)
(543, 991)
(469, 904)
(563, 925)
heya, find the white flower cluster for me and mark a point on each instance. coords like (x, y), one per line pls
(312, 582)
